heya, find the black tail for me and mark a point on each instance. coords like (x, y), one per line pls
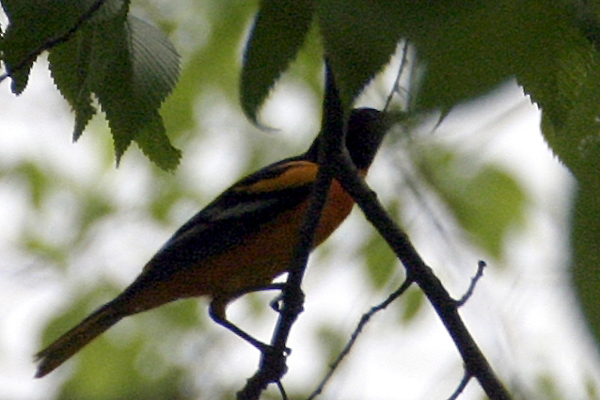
(74, 340)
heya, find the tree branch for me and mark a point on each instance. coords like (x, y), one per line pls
(272, 364)
(446, 307)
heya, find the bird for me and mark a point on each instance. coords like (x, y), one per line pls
(238, 243)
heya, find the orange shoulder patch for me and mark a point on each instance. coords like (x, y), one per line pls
(293, 174)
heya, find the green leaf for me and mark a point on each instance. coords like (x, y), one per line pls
(278, 33)
(94, 207)
(44, 249)
(467, 48)
(111, 80)
(548, 387)
(155, 69)
(34, 25)
(359, 39)
(412, 303)
(155, 144)
(487, 202)
(381, 260)
(563, 78)
(464, 48)
(180, 315)
(132, 69)
(586, 252)
(129, 65)
(331, 342)
(591, 387)
(155, 63)
(38, 180)
(70, 69)
(31, 24)
(113, 371)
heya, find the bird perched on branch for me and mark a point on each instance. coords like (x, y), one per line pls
(237, 244)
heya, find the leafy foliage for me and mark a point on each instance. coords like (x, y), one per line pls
(277, 35)
(490, 194)
(355, 44)
(129, 65)
(32, 25)
(381, 261)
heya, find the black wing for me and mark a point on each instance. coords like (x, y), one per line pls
(231, 218)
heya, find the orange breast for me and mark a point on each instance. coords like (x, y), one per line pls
(264, 255)
(267, 254)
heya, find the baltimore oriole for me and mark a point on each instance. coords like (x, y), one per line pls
(239, 242)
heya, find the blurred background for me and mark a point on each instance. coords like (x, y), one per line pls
(481, 185)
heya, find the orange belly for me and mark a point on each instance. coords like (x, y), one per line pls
(265, 255)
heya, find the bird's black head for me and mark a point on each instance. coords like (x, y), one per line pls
(366, 129)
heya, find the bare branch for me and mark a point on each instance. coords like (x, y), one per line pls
(461, 386)
(398, 76)
(480, 266)
(282, 391)
(361, 324)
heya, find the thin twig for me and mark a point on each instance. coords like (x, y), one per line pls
(50, 43)
(282, 391)
(461, 386)
(480, 266)
(398, 76)
(359, 327)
